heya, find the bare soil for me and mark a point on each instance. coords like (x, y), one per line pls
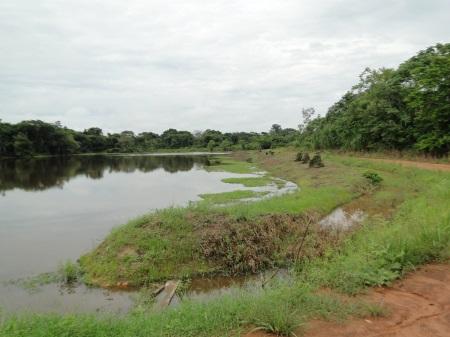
(418, 164)
(417, 306)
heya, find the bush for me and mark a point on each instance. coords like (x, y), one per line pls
(373, 177)
(305, 158)
(69, 272)
(316, 161)
(280, 321)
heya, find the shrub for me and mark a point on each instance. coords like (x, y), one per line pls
(244, 245)
(316, 161)
(373, 177)
(69, 272)
(305, 158)
(280, 321)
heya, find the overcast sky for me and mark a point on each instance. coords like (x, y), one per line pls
(190, 64)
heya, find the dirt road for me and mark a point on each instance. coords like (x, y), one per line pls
(419, 306)
(418, 164)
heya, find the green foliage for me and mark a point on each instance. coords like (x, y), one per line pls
(166, 244)
(173, 139)
(69, 272)
(23, 147)
(30, 138)
(305, 158)
(391, 109)
(281, 307)
(373, 177)
(280, 321)
(316, 161)
(383, 251)
(183, 286)
(249, 182)
(230, 165)
(224, 197)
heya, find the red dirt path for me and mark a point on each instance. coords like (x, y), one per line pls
(418, 164)
(418, 306)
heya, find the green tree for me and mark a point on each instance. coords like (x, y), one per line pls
(211, 145)
(23, 147)
(425, 80)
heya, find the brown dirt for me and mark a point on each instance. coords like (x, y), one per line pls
(418, 164)
(418, 306)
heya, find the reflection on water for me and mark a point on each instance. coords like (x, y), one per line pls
(37, 174)
(343, 219)
(54, 298)
(54, 209)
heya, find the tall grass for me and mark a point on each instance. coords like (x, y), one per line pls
(383, 251)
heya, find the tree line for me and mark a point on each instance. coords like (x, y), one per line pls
(36, 137)
(407, 108)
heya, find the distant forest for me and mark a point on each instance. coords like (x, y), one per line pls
(407, 108)
(29, 138)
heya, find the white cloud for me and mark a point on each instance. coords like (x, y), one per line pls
(230, 65)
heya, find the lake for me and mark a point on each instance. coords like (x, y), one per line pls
(54, 209)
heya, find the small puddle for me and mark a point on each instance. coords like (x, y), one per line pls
(342, 219)
(207, 288)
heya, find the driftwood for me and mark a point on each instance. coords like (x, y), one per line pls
(168, 292)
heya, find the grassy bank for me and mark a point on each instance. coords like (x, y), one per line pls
(170, 243)
(408, 225)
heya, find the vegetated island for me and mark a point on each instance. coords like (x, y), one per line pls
(407, 224)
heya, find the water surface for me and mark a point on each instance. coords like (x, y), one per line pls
(54, 209)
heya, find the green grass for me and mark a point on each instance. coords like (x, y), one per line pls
(226, 316)
(224, 197)
(384, 250)
(150, 248)
(416, 230)
(249, 182)
(67, 274)
(166, 244)
(231, 165)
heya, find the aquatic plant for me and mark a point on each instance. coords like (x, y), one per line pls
(69, 272)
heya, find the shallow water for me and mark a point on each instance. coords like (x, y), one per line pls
(54, 209)
(207, 288)
(342, 219)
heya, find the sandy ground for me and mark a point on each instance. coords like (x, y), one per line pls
(418, 306)
(418, 164)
